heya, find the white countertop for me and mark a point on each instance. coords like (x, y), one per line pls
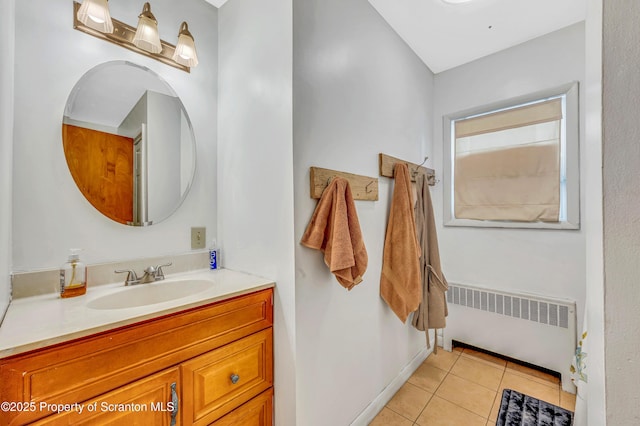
(39, 321)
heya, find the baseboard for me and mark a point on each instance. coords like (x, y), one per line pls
(372, 410)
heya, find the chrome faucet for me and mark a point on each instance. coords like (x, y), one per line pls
(131, 279)
(151, 274)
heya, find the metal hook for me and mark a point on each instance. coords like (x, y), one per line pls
(432, 180)
(366, 188)
(415, 171)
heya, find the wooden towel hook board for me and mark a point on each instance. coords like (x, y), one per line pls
(368, 189)
(387, 163)
(362, 187)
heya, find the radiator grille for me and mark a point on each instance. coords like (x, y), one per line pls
(517, 306)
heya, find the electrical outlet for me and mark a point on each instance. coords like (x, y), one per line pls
(198, 237)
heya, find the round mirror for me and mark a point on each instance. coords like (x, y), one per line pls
(128, 143)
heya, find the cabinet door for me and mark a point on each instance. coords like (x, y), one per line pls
(149, 401)
(218, 382)
(257, 412)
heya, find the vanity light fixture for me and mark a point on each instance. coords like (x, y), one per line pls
(143, 39)
(186, 48)
(95, 14)
(147, 37)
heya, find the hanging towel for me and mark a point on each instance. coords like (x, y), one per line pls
(334, 229)
(400, 284)
(433, 307)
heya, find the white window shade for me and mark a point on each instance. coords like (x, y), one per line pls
(507, 164)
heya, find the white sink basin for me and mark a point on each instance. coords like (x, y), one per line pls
(150, 294)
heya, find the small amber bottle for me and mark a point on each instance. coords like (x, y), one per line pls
(73, 276)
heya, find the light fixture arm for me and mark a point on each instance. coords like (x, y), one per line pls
(146, 13)
(184, 30)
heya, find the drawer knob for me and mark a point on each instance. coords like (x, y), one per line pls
(234, 378)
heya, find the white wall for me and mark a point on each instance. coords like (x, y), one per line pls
(596, 398)
(621, 157)
(7, 38)
(358, 91)
(164, 117)
(255, 167)
(50, 214)
(545, 262)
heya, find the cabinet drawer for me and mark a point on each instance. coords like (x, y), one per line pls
(145, 402)
(79, 370)
(222, 380)
(257, 412)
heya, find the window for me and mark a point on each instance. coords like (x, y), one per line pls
(514, 164)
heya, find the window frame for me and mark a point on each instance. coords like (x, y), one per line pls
(570, 147)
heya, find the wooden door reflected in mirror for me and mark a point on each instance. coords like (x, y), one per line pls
(102, 167)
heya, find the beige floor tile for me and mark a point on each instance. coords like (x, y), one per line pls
(535, 375)
(484, 357)
(440, 412)
(466, 394)
(567, 400)
(457, 350)
(476, 371)
(427, 377)
(409, 401)
(495, 409)
(387, 417)
(443, 360)
(546, 392)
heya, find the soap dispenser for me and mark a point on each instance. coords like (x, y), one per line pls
(73, 276)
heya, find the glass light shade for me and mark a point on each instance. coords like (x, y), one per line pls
(147, 37)
(185, 53)
(95, 14)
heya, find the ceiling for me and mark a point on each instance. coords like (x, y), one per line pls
(447, 35)
(216, 3)
(106, 94)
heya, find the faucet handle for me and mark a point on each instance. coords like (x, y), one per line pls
(132, 278)
(159, 272)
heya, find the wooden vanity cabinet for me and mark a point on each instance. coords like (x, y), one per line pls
(217, 360)
(143, 402)
(256, 412)
(216, 382)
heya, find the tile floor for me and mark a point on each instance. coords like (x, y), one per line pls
(464, 388)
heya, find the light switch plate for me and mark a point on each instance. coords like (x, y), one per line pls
(198, 237)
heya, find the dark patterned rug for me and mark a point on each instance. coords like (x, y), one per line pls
(517, 409)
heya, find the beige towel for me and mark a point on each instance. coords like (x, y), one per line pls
(433, 308)
(335, 230)
(400, 284)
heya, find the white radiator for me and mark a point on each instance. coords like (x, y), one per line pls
(531, 328)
